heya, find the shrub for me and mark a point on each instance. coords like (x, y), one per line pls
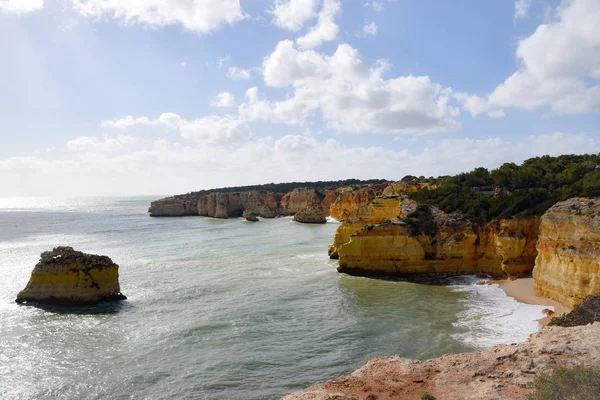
(587, 312)
(567, 383)
(427, 396)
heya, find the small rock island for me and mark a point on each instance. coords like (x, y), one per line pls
(68, 277)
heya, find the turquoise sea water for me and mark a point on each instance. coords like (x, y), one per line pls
(218, 309)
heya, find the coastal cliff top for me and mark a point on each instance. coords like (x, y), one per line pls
(502, 372)
(65, 258)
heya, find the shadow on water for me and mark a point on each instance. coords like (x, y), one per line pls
(102, 308)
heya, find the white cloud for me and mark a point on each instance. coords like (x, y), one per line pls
(369, 28)
(351, 95)
(199, 16)
(183, 64)
(239, 73)
(210, 130)
(292, 14)
(92, 143)
(20, 6)
(325, 30)
(216, 130)
(166, 167)
(522, 8)
(166, 119)
(559, 64)
(472, 103)
(496, 114)
(223, 99)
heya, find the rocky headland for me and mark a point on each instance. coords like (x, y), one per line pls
(500, 373)
(69, 277)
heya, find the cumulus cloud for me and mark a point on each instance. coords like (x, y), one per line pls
(92, 143)
(20, 6)
(522, 8)
(325, 30)
(239, 73)
(351, 95)
(496, 114)
(559, 64)
(199, 16)
(224, 100)
(170, 167)
(292, 14)
(209, 130)
(369, 28)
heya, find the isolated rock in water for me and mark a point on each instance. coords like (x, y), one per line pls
(311, 215)
(250, 216)
(70, 277)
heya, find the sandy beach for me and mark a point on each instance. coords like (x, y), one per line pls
(522, 291)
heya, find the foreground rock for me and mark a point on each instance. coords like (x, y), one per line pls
(568, 262)
(311, 215)
(69, 277)
(502, 372)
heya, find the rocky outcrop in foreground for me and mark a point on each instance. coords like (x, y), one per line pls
(502, 372)
(568, 263)
(69, 277)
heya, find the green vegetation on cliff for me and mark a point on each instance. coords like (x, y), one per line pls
(284, 187)
(513, 190)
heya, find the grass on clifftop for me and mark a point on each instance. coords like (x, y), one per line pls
(513, 190)
(567, 383)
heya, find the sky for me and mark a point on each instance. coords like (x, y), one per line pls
(144, 97)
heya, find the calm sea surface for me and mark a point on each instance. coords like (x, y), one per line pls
(218, 309)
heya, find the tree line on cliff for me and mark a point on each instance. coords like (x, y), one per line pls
(512, 190)
(284, 187)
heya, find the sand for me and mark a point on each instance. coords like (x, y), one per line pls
(522, 291)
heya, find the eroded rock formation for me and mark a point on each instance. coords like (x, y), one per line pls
(233, 204)
(70, 277)
(311, 215)
(502, 372)
(568, 262)
(173, 207)
(300, 199)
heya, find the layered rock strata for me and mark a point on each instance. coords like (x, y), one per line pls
(300, 199)
(225, 205)
(70, 277)
(173, 207)
(568, 262)
(311, 215)
(502, 372)
(393, 236)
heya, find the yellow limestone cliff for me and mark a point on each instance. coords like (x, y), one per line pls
(568, 262)
(424, 241)
(71, 277)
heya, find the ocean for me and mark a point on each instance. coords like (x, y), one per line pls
(219, 309)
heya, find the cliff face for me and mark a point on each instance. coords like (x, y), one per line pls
(568, 264)
(350, 199)
(429, 242)
(225, 205)
(502, 372)
(301, 198)
(71, 277)
(311, 216)
(173, 207)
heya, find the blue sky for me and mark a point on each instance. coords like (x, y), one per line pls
(152, 97)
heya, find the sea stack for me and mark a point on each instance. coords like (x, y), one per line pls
(311, 215)
(69, 277)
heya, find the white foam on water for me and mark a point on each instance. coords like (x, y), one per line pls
(332, 220)
(491, 317)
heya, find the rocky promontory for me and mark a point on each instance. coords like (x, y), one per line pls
(70, 277)
(502, 372)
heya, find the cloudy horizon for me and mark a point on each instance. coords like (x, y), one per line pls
(147, 97)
